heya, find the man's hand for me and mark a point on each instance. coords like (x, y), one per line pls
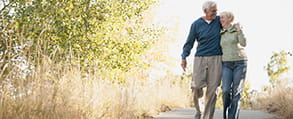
(183, 64)
(238, 26)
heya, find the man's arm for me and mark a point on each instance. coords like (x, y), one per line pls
(188, 46)
(241, 37)
(189, 42)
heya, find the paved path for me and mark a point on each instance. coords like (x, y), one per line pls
(188, 113)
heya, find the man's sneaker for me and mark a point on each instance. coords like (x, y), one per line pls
(197, 116)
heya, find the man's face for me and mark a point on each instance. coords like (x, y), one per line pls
(211, 13)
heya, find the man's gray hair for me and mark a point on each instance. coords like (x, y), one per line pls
(208, 4)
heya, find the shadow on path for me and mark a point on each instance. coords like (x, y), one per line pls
(188, 113)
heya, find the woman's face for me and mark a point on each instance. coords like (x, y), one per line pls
(224, 20)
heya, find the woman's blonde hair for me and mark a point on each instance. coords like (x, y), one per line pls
(229, 15)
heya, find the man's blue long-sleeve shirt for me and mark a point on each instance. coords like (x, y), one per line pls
(208, 37)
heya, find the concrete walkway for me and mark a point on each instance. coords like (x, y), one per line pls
(188, 113)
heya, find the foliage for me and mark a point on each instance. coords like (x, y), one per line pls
(246, 102)
(275, 98)
(50, 43)
(277, 66)
(106, 34)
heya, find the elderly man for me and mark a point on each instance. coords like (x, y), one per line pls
(207, 67)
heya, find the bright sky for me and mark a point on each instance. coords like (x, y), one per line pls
(267, 24)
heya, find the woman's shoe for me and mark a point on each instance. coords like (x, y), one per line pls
(197, 116)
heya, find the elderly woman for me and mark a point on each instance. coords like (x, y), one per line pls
(234, 64)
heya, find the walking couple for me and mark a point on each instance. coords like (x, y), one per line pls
(220, 57)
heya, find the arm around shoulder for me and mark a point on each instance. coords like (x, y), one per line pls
(241, 38)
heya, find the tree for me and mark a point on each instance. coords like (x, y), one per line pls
(105, 34)
(277, 66)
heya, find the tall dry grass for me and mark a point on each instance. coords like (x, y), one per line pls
(54, 93)
(277, 101)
